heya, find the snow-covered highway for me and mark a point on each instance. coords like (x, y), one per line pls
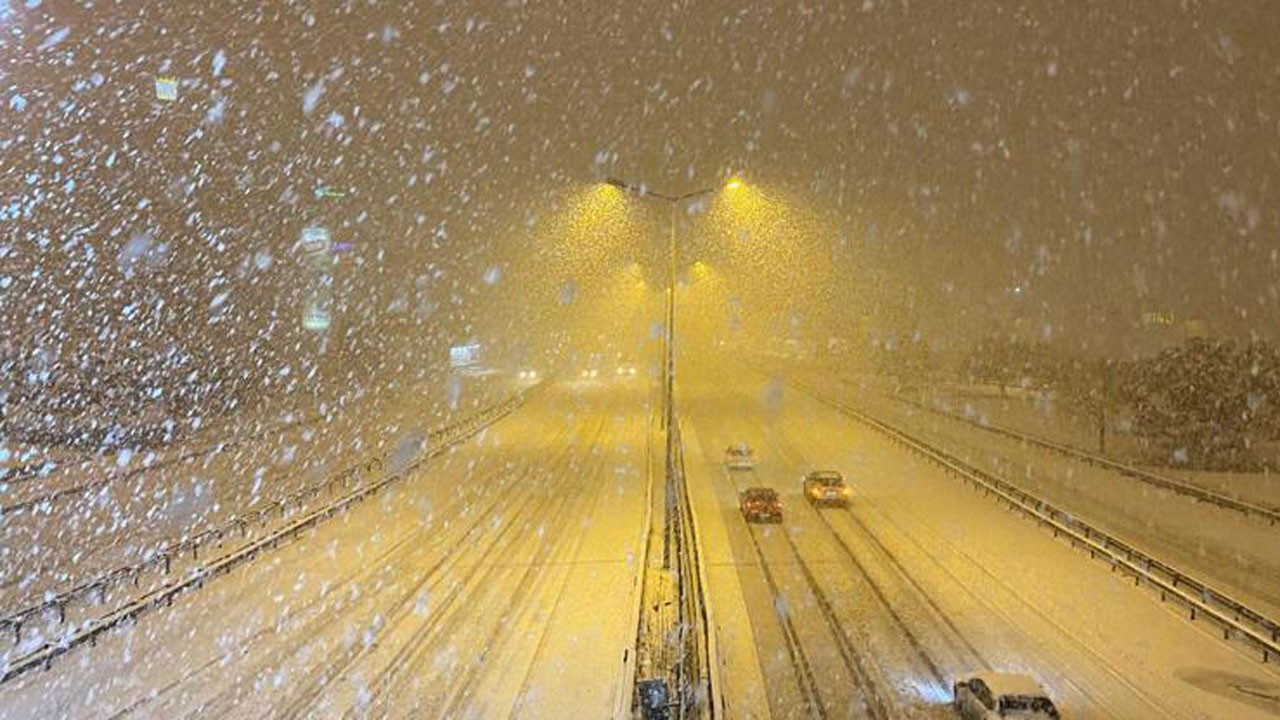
(927, 578)
(498, 580)
(502, 579)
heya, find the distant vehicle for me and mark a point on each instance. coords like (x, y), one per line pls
(528, 375)
(826, 487)
(625, 370)
(760, 505)
(739, 457)
(987, 696)
(590, 373)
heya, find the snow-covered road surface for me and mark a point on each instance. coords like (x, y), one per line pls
(927, 577)
(1238, 554)
(499, 580)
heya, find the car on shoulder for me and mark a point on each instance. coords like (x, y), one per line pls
(760, 505)
(992, 695)
(827, 488)
(739, 457)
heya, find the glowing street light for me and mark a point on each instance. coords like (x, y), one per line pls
(674, 201)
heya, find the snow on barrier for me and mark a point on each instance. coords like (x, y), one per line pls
(696, 675)
(27, 473)
(1271, 515)
(93, 593)
(1235, 619)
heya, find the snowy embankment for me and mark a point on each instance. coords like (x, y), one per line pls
(81, 520)
(1041, 416)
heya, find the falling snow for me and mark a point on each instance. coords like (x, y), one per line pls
(451, 360)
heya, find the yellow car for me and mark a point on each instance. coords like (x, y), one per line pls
(827, 487)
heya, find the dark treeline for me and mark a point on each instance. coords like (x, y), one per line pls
(1208, 403)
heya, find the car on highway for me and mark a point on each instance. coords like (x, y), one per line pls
(826, 488)
(760, 505)
(990, 695)
(739, 457)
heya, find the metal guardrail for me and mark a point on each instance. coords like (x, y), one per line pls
(95, 589)
(21, 473)
(697, 686)
(1232, 616)
(27, 473)
(87, 632)
(1271, 515)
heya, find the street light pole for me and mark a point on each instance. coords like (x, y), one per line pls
(668, 361)
(685, 624)
(671, 321)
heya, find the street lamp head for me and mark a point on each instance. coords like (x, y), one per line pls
(626, 187)
(733, 184)
(645, 191)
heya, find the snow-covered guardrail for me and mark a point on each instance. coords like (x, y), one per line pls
(700, 687)
(1233, 617)
(1271, 515)
(90, 629)
(21, 475)
(164, 558)
(93, 592)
